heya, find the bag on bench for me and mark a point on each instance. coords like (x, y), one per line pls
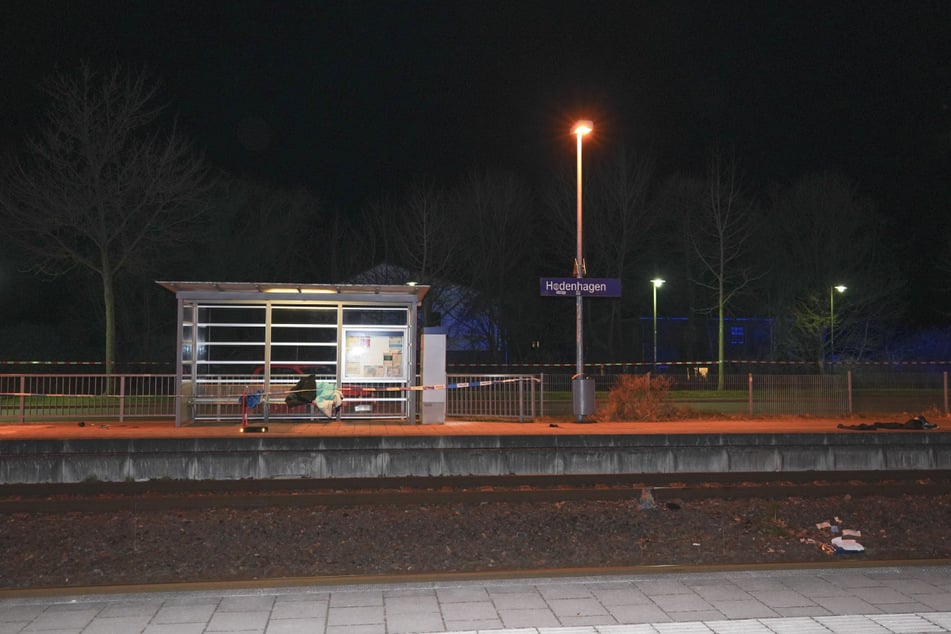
(303, 393)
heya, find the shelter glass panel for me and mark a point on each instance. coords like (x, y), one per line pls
(368, 316)
(304, 339)
(302, 316)
(230, 338)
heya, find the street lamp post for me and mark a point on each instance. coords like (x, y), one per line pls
(656, 283)
(841, 289)
(580, 129)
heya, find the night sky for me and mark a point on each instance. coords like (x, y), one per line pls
(358, 99)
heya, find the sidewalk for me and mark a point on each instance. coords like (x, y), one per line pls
(886, 600)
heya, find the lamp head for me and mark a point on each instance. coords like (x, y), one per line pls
(841, 288)
(582, 128)
(657, 282)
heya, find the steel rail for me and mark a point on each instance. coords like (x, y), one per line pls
(246, 494)
(443, 577)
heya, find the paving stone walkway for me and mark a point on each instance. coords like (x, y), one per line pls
(888, 600)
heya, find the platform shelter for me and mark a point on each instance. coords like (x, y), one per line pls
(243, 343)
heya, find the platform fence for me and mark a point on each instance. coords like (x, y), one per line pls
(42, 397)
(118, 397)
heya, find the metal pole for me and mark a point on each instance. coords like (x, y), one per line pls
(656, 283)
(579, 273)
(655, 326)
(849, 387)
(749, 392)
(946, 393)
(841, 288)
(831, 324)
(541, 394)
(122, 398)
(22, 418)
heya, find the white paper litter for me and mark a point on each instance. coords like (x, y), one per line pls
(847, 545)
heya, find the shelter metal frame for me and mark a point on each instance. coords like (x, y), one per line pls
(240, 338)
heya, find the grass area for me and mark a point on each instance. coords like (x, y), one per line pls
(37, 408)
(674, 395)
(686, 396)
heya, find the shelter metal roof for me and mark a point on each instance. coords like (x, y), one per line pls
(293, 290)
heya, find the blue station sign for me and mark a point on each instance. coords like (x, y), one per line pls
(584, 286)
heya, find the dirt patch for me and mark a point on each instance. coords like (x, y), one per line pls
(128, 547)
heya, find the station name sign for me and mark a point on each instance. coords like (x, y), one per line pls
(584, 286)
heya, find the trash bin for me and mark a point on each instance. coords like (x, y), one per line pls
(582, 396)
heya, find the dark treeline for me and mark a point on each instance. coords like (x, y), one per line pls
(92, 225)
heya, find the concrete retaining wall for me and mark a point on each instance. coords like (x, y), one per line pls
(263, 457)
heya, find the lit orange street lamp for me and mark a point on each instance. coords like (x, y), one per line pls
(580, 129)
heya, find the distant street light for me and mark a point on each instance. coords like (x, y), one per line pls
(580, 129)
(656, 283)
(841, 289)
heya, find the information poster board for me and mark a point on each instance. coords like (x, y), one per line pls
(374, 354)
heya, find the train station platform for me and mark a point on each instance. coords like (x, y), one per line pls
(828, 600)
(394, 428)
(137, 451)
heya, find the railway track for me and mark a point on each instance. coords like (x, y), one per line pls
(96, 533)
(244, 494)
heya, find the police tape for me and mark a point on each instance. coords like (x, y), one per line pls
(449, 386)
(254, 398)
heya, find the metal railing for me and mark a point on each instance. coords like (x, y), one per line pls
(120, 397)
(504, 396)
(51, 397)
(817, 395)
(753, 394)
(219, 397)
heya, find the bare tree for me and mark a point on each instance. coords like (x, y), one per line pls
(100, 187)
(718, 229)
(617, 231)
(424, 234)
(675, 201)
(825, 234)
(263, 233)
(420, 237)
(942, 263)
(494, 215)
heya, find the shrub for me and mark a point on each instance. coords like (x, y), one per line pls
(638, 397)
